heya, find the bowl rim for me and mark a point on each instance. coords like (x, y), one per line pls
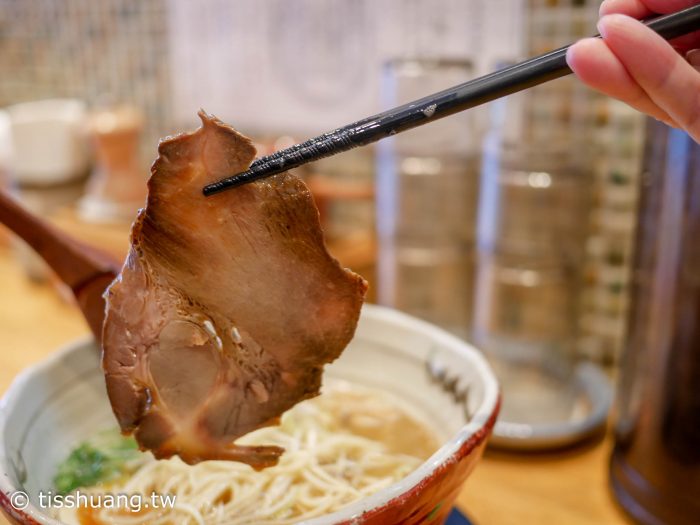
(469, 436)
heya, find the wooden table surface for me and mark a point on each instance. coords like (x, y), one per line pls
(558, 489)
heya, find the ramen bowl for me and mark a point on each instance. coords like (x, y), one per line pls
(53, 406)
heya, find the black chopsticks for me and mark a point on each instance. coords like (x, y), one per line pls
(510, 80)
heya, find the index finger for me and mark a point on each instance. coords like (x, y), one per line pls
(644, 8)
(672, 83)
(640, 9)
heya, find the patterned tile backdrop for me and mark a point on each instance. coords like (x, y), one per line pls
(99, 51)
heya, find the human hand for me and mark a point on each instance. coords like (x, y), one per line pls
(634, 64)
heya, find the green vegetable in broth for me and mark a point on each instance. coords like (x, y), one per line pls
(106, 457)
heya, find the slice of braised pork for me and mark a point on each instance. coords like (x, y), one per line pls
(227, 307)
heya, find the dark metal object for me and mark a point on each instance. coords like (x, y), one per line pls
(655, 465)
(507, 81)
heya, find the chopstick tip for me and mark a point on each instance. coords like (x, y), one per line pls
(214, 188)
(224, 184)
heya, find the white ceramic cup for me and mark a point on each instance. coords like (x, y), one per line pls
(48, 141)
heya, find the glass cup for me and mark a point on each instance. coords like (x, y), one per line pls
(426, 201)
(533, 226)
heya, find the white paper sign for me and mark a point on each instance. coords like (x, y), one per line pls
(307, 66)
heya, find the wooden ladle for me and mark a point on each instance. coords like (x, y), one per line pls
(86, 270)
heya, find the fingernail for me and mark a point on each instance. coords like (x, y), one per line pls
(570, 53)
(605, 22)
(693, 58)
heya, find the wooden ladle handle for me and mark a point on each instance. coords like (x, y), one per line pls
(86, 270)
